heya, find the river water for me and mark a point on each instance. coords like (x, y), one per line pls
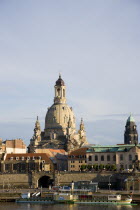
(25, 206)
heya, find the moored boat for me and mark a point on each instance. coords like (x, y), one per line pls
(35, 198)
(107, 199)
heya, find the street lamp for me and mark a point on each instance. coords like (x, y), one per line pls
(109, 181)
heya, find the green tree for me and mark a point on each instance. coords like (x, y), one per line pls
(89, 167)
(101, 166)
(83, 167)
(95, 166)
(107, 167)
(113, 167)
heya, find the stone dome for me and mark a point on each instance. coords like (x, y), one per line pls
(57, 118)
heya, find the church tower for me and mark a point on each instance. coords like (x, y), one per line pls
(130, 134)
(82, 131)
(35, 140)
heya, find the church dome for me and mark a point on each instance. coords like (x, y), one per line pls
(60, 82)
(57, 119)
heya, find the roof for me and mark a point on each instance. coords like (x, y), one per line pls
(57, 150)
(31, 155)
(52, 152)
(60, 82)
(80, 151)
(111, 148)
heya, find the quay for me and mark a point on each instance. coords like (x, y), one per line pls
(13, 196)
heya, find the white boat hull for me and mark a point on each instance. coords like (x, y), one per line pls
(122, 202)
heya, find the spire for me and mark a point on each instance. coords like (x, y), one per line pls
(82, 132)
(130, 119)
(37, 124)
(82, 125)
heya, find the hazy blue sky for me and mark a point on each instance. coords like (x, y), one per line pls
(95, 44)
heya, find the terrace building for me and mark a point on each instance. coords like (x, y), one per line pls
(113, 157)
(26, 163)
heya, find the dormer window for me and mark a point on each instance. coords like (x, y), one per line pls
(22, 158)
(28, 158)
(39, 157)
(17, 158)
(11, 158)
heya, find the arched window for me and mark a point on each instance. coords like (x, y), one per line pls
(108, 157)
(96, 158)
(90, 158)
(58, 90)
(102, 158)
(130, 157)
(63, 93)
(136, 157)
(121, 156)
(121, 166)
(130, 166)
(114, 157)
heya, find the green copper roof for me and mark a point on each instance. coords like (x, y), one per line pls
(130, 119)
(111, 148)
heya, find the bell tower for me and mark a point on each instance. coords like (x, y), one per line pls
(60, 91)
(130, 134)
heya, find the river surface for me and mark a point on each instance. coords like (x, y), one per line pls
(21, 206)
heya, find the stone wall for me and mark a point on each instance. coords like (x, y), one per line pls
(67, 178)
(15, 180)
(117, 180)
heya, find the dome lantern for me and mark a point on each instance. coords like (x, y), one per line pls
(60, 91)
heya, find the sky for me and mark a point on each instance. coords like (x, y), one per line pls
(95, 45)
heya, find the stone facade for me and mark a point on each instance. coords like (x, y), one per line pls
(59, 158)
(26, 163)
(60, 125)
(119, 157)
(76, 159)
(12, 146)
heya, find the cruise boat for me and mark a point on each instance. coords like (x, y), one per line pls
(100, 199)
(72, 198)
